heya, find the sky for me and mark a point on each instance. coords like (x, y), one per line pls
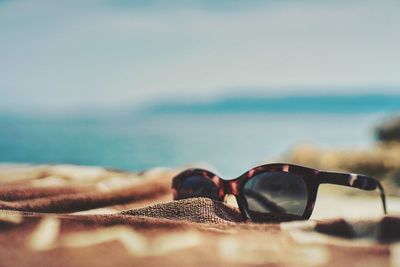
(59, 56)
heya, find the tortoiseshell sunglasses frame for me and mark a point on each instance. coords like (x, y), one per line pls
(312, 178)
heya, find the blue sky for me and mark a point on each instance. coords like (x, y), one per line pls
(58, 56)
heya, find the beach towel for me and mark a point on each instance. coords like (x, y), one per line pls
(64, 215)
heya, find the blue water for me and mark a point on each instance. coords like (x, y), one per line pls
(232, 142)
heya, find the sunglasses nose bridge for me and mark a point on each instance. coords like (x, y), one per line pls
(232, 187)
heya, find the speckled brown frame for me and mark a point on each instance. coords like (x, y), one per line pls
(312, 177)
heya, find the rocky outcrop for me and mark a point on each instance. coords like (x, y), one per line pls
(389, 130)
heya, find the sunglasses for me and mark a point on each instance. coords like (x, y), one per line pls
(272, 192)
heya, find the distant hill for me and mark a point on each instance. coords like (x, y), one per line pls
(370, 103)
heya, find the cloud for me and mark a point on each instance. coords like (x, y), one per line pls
(68, 55)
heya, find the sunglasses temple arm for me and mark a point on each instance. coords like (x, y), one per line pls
(383, 196)
(359, 181)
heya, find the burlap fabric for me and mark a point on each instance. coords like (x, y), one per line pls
(80, 216)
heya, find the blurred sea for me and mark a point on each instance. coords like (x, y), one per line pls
(232, 140)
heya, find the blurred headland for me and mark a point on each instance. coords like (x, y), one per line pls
(330, 103)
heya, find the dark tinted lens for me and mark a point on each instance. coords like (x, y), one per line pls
(198, 186)
(276, 196)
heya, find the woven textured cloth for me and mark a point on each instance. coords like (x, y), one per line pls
(85, 216)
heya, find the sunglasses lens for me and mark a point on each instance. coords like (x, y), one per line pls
(198, 186)
(276, 196)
